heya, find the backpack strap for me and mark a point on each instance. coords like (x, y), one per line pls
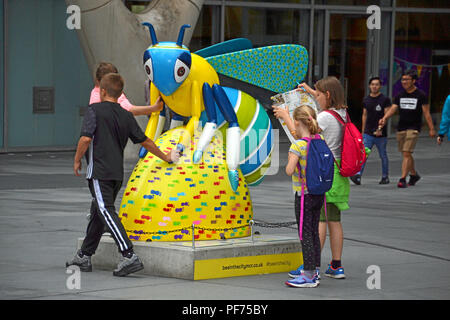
(341, 121)
(338, 116)
(302, 199)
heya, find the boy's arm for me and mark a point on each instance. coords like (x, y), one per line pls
(363, 120)
(83, 145)
(170, 157)
(427, 115)
(389, 113)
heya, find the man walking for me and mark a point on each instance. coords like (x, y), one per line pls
(375, 106)
(411, 103)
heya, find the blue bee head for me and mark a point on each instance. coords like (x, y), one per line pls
(167, 64)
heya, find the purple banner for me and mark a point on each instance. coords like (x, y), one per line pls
(406, 59)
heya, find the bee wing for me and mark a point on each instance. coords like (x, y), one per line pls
(232, 45)
(275, 68)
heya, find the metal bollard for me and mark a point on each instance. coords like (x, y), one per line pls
(251, 223)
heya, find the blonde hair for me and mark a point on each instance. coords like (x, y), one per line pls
(334, 87)
(308, 117)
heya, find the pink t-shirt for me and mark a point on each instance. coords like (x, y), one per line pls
(123, 101)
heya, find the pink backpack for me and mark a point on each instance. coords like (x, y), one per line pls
(353, 152)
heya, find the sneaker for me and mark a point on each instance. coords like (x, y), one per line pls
(296, 273)
(299, 271)
(402, 183)
(302, 282)
(356, 179)
(128, 265)
(335, 273)
(413, 179)
(384, 180)
(82, 261)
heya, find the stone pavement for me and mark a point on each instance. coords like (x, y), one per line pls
(404, 232)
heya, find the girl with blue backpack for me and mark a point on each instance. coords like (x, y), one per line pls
(310, 163)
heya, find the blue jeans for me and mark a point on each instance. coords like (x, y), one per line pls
(381, 143)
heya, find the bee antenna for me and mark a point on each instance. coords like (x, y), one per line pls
(181, 34)
(152, 32)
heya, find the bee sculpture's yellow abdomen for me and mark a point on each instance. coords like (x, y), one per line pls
(162, 201)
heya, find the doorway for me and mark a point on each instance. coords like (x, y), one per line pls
(351, 55)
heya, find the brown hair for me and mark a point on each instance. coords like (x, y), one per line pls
(334, 87)
(103, 69)
(308, 117)
(113, 84)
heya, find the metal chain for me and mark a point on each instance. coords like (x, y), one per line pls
(257, 223)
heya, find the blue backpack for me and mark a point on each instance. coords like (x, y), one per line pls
(319, 171)
(319, 166)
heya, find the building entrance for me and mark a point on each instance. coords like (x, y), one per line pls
(350, 54)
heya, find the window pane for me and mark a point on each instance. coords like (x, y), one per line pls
(267, 26)
(275, 1)
(203, 32)
(355, 2)
(424, 3)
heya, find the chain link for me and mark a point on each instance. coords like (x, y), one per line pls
(257, 223)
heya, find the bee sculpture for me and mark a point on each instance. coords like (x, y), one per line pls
(189, 85)
(162, 201)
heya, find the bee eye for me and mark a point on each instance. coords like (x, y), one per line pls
(181, 71)
(149, 69)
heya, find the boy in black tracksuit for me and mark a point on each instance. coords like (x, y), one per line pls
(105, 132)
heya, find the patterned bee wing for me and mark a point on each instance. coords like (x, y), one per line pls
(229, 46)
(276, 68)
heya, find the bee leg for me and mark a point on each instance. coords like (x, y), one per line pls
(161, 122)
(158, 130)
(233, 135)
(210, 126)
(177, 121)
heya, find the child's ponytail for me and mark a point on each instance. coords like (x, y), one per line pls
(308, 117)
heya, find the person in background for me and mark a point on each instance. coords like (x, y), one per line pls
(375, 105)
(444, 128)
(412, 103)
(105, 68)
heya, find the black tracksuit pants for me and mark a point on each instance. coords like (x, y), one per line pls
(103, 213)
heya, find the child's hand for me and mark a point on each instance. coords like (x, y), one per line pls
(280, 112)
(77, 168)
(304, 87)
(159, 104)
(174, 156)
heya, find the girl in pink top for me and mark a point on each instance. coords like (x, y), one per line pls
(105, 68)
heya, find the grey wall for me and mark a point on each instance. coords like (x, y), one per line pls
(42, 52)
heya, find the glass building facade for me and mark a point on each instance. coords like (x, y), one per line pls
(42, 110)
(413, 34)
